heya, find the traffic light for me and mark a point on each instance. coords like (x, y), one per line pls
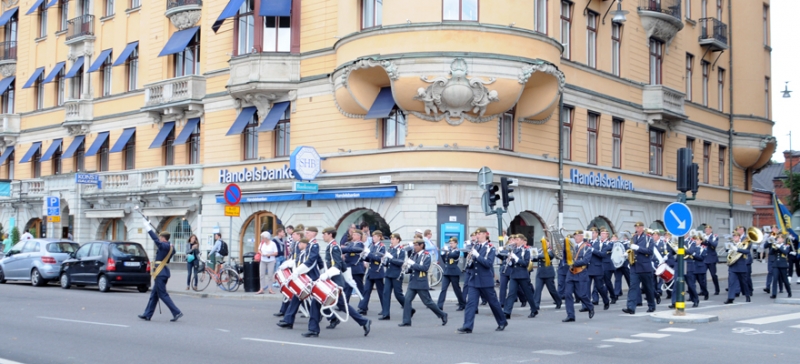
(693, 177)
(491, 190)
(505, 187)
(684, 163)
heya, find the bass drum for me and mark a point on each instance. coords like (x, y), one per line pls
(618, 255)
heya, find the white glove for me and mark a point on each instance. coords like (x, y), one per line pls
(294, 275)
(323, 276)
(387, 255)
(332, 272)
(302, 269)
(793, 253)
(474, 253)
(515, 257)
(634, 247)
(147, 226)
(287, 264)
(409, 261)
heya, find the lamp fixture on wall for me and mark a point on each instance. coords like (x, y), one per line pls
(786, 93)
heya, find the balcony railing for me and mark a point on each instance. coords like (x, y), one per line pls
(659, 99)
(8, 51)
(80, 26)
(176, 3)
(174, 90)
(669, 7)
(714, 30)
(170, 178)
(77, 110)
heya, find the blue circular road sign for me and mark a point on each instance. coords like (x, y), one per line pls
(678, 219)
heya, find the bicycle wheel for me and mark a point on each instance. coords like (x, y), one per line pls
(228, 280)
(435, 274)
(203, 279)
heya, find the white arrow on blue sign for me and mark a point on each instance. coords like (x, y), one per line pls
(678, 219)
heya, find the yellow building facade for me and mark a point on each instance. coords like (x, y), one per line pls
(168, 102)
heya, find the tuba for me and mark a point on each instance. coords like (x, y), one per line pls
(753, 235)
(556, 239)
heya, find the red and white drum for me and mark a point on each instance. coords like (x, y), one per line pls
(665, 272)
(325, 292)
(282, 276)
(300, 286)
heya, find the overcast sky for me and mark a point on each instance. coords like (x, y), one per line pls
(785, 55)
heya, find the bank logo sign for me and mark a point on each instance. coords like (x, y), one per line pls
(305, 163)
(600, 180)
(255, 175)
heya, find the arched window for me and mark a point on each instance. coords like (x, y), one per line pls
(253, 227)
(601, 222)
(658, 225)
(115, 230)
(180, 231)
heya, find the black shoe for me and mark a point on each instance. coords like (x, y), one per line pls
(671, 307)
(462, 330)
(362, 312)
(143, 317)
(558, 306)
(790, 294)
(533, 315)
(334, 322)
(773, 297)
(716, 293)
(484, 303)
(669, 295)
(179, 315)
(501, 327)
(367, 327)
(726, 290)
(591, 314)
(584, 309)
(737, 295)
(413, 311)
(748, 298)
(695, 303)
(403, 324)
(614, 301)
(729, 301)
(638, 305)
(658, 300)
(595, 303)
(508, 316)
(705, 298)
(568, 319)
(279, 314)
(628, 311)
(606, 306)
(311, 334)
(384, 318)
(444, 319)
(651, 310)
(285, 325)
(460, 308)
(766, 290)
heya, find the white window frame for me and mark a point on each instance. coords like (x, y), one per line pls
(591, 39)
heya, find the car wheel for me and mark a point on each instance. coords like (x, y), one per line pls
(64, 280)
(36, 278)
(2, 276)
(102, 284)
(143, 288)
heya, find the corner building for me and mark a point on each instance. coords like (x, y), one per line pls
(170, 101)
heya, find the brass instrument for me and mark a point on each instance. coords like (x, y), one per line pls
(556, 239)
(631, 255)
(753, 235)
(673, 243)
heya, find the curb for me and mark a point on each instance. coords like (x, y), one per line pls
(689, 318)
(266, 297)
(788, 301)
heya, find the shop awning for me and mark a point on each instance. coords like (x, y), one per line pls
(230, 11)
(54, 72)
(242, 119)
(274, 116)
(35, 76)
(76, 142)
(100, 60)
(123, 140)
(275, 8)
(6, 154)
(97, 144)
(266, 197)
(76, 67)
(162, 135)
(382, 106)
(4, 83)
(55, 146)
(381, 192)
(34, 148)
(178, 41)
(34, 7)
(7, 16)
(187, 131)
(126, 53)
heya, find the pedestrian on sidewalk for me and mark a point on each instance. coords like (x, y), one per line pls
(268, 250)
(7, 243)
(192, 261)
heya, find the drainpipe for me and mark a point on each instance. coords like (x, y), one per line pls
(560, 161)
(730, 116)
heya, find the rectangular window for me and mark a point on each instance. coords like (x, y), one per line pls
(129, 153)
(42, 20)
(720, 88)
(194, 145)
(36, 165)
(460, 10)
(719, 10)
(721, 177)
(39, 93)
(187, 61)
(10, 35)
(168, 149)
(61, 84)
(703, 9)
(245, 28)
(689, 75)
(706, 161)
(78, 158)
(592, 122)
(55, 162)
(656, 60)
(8, 100)
(766, 24)
(394, 129)
(616, 48)
(540, 16)
(10, 166)
(566, 27)
(688, 9)
(132, 69)
(705, 66)
(63, 15)
(105, 75)
(656, 151)
(283, 132)
(102, 157)
(766, 97)
(591, 39)
(109, 8)
(566, 131)
(371, 13)
(136, 4)
(616, 135)
(507, 131)
(690, 144)
(76, 84)
(250, 136)
(277, 34)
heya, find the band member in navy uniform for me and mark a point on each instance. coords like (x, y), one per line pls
(505, 271)
(578, 281)
(689, 275)
(481, 283)
(608, 266)
(563, 268)
(352, 258)
(623, 271)
(700, 253)
(308, 263)
(642, 271)
(336, 266)
(451, 274)
(712, 258)
(781, 265)
(164, 252)
(375, 272)
(545, 276)
(290, 262)
(520, 257)
(670, 254)
(394, 258)
(596, 272)
(419, 263)
(737, 273)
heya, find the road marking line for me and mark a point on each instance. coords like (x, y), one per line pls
(676, 329)
(623, 341)
(223, 330)
(6, 361)
(795, 327)
(604, 346)
(716, 306)
(771, 319)
(554, 352)
(651, 335)
(641, 314)
(318, 346)
(81, 322)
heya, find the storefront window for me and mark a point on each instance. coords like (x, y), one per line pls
(115, 230)
(253, 227)
(180, 231)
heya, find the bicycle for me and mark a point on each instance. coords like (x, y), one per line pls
(227, 280)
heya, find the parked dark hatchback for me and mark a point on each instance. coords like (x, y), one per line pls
(107, 264)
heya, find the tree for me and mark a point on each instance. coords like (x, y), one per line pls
(793, 184)
(15, 235)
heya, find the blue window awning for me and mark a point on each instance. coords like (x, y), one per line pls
(34, 148)
(35, 76)
(34, 7)
(6, 154)
(5, 83)
(275, 8)
(275, 115)
(100, 60)
(163, 134)
(54, 147)
(382, 106)
(76, 142)
(230, 10)
(76, 67)
(187, 131)
(98, 143)
(266, 197)
(7, 16)
(241, 121)
(126, 53)
(123, 140)
(381, 192)
(178, 41)
(54, 72)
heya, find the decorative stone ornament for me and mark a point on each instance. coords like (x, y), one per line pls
(452, 98)
(8, 69)
(185, 19)
(388, 66)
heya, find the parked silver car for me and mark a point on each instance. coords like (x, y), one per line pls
(36, 260)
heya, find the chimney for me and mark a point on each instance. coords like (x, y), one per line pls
(791, 159)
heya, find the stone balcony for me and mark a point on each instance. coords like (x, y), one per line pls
(661, 19)
(10, 129)
(662, 103)
(156, 180)
(78, 115)
(260, 79)
(184, 13)
(175, 99)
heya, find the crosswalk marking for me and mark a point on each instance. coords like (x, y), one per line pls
(604, 346)
(623, 341)
(640, 314)
(795, 327)
(554, 352)
(676, 329)
(771, 319)
(651, 335)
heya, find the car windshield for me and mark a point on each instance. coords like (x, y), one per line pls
(127, 250)
(62, 247)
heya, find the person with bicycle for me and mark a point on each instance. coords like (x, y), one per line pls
(333, 272)
(215, 256)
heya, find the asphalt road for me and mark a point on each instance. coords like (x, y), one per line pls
(52, 325)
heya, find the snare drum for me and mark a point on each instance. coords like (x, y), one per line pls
(665, 273)
(325, 292)
(282, 276)
(300, 286)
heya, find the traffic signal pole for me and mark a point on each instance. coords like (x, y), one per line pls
(687, 180)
